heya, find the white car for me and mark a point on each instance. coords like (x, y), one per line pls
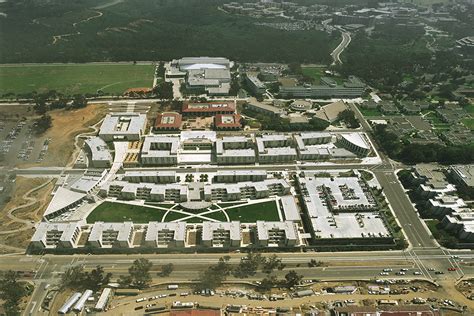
(383, 273)
(417, 273)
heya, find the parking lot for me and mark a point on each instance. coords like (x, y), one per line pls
(19, 145)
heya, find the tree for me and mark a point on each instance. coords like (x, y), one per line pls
(268, 283)
(271, 263)
(78, 102)
(42, 124)
(72, 277)
(349, 118)
(40, 106)
(248, 266)
(166, 270)
(164, 90)
(11, 292)
(292, 279)
(125, 281)
(140, 273)
(214, 275)
(95, 279)
(160, 70)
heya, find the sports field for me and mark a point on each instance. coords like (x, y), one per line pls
(75, 78)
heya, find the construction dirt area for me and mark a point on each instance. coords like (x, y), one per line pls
(233, 295)
(29, 199)
(67, 124)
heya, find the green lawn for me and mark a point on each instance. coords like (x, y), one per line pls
(163, 205)
(119, 212)
(266, 211)
(174, 216)
(314, 72)
(469, 108)
(227, 204)
(370, 112)
(72, 79)
(469, 123)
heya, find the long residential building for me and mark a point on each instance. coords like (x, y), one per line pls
(165, 235)
(159, 150)
(52, 235)
(235, 150)
(275, 148)
(221, 234)
(107, 235)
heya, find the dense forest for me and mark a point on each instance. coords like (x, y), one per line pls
(80, 31)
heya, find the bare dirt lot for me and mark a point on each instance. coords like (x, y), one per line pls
(66, 125)
(122, 305)
(29, 199)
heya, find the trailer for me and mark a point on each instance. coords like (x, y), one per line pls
(103, 299)
(173, 287)
(82, 301)
(69, 303)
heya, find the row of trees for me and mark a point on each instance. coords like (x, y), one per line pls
(139, 276)
(414, 153)
(216, 274)
(11, 292)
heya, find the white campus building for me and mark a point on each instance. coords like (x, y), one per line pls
(122, 127)
(221, 234)
(160, 150)
(52, 235)
(107, 235)
(277, 234)
(237, 150)
(165, 235)
(275, 148)
(341, 207)
(98, 153)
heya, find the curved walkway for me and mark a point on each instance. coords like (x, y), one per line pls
(31, 201)
(77, 148)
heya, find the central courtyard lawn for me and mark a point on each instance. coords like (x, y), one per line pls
(370, 112)
(120, 212)
(76, 78)
(266, 211)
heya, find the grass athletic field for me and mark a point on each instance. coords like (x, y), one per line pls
(246, 213)
(75, 78)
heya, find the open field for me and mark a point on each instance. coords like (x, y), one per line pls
(120, 212)
(266, 211)
(75, 79)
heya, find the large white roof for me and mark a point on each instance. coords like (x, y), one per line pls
(63, 198)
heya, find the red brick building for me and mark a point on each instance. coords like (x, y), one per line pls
(208, 108)
(168, 121)
(227, 121)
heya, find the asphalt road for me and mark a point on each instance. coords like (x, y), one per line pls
(346, 39)
(337, 266)
(414, 229)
